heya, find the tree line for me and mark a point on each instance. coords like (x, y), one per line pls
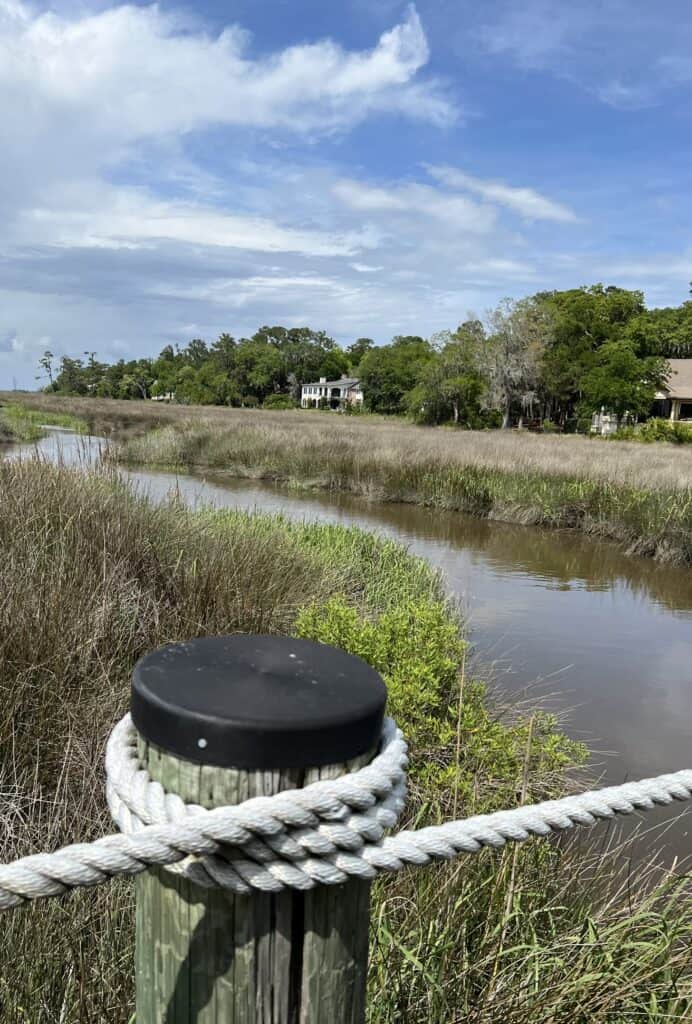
(554, 357)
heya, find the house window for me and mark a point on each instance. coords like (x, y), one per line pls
(686, 410)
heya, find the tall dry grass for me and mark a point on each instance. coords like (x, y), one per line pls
(91, 577)
(662, 467)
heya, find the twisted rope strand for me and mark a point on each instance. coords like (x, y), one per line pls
(323, 834)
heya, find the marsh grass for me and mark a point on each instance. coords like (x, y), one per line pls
(639, 496)
(533, 935)
(20, 423)
(92, 576)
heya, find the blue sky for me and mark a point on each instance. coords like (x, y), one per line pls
(369, 167)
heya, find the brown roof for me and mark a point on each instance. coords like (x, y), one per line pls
(680, 381)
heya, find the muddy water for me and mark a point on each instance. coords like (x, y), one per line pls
(606, 637)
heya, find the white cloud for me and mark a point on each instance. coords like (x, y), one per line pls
(497, 266)
(368, 197)
(619, 94)
(533, 34)
(677, 69)
(238, 292)
(665, 266)
(623, 52)
(130, 73)
(454, 212)
(121, 233)
(104, 216)
(528, 203)
(84, 96)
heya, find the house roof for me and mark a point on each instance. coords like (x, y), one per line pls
(680, 381)
(343, 382)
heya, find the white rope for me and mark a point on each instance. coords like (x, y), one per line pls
(323, 834)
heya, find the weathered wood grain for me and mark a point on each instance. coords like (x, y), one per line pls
(206, 956)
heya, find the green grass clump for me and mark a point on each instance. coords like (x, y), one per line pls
(21, 424)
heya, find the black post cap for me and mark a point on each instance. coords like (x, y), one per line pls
(258, 702)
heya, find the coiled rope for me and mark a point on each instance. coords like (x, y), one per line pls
(323, 834)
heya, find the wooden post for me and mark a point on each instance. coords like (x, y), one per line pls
(220, 720)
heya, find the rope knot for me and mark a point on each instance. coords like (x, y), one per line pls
(296, 838)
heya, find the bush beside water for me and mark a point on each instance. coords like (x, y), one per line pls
(92, 576)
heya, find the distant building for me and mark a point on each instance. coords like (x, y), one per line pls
(332, 394)
(674, 402)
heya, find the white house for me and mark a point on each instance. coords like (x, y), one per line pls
(335, 394)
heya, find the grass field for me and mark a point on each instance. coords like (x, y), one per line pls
(92, 576)
(638, 495)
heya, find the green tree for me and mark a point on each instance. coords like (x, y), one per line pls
(259, 369)
(583, 319)
(109, 385)
(164, 370)
(46, 364)
(306, 355)
(662, 332)
(203, 386)
(93, 372)
(452, 385)
(136, 379)
(279, 402)
(223, 352)
(71, 379)
(356, 351)
(390, 371)
(196, 353)
(622, 382)
(519, 335)
(333, 365)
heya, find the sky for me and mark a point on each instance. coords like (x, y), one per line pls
(369, 168)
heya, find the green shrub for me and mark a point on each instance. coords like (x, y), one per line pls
(279, 402)
(458, 746)
(665, 430)
(416, 647)
(672, 431)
